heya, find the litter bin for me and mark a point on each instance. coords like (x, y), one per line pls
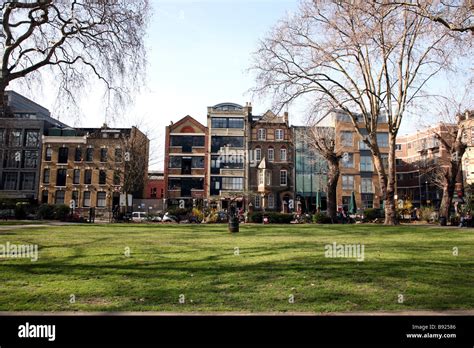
(234, 224)
(443, 221)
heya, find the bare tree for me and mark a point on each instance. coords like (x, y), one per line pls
(78, 40)
(456, 15)
(369, 60)
(322, 140)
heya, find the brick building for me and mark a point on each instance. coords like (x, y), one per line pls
(94, 167)
(186, 162)
(271, 175)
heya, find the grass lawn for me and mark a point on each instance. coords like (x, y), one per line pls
(275, 261)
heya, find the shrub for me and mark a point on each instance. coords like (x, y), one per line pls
(371, 214)
(321, 218)
(20, 211)
(61, 212)
(198, 214)
(273, 217)
(181, 213)
(426, 214)
(46, 212)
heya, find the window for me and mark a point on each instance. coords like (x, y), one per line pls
(102, 177)
(2, 136)
(218, 142)
(12, 159)
(103, 155)
(30, 159)
(59, 197)
(382, 139)
(262, 134)
(101, 199)
(86, 200)
(398, 162)
(118, 155)
(366, 164)
(398, 147)
(75, 198)
(271, 201)
(32, 138)
(49, 154)
(348, 182)
(271, 154)
(44, 196)
(88, 176)
(257, 201)
(219, 122)
(283, 155)
(279, 134)
(175, 162)
(261, 177)
(46, 175)
(347, 160)
(347, 138)
(118, 179)
(90, 154)
(283, 177)
(187, 142)
(78, 154)
(232, 184)
(61, 177)
(10, 181)
(366, 185)
(367, 201)
(258, 154)
(236, 123)
(15, 137)
(268, 177)
(76, 176)
(27, 181)
(63, 154)
(197, 162)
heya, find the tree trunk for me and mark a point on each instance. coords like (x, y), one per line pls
(387, 181)
(333, 177)
(446, 201)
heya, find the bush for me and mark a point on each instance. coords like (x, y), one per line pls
(273, 217)
(20, 211)
(427, 214)
(371, 214)
(61, 212)
(46, 212)
(321, 218)
(181, 213)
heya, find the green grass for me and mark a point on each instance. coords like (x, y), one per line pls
(275, 261)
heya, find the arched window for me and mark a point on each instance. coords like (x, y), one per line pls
(49, 154)
(271, 201)
(283, 154)
(258, 154)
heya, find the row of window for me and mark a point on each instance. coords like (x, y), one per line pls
(266, 178)
(270, 201)
(270, 154)
(26, 181)
(365, 184)
(59, 196)
(62, 174)
(79, 153)
(366, 162)
(20, 137)
(227, 122)
(20, 159)
(262, 134)
(347, 139)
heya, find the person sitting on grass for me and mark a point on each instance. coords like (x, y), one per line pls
(466, 220)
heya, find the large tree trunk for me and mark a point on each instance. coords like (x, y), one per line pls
(446, 201)
(333, 177)
(387, 181)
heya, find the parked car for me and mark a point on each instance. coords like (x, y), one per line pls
(155, 218)
(169, 218)
(138, 216)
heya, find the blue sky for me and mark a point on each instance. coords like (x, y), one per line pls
(199, 53)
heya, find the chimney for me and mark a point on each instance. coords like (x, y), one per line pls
(285, 115)
(248, 105)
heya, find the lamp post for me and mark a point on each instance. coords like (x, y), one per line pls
(426, 194)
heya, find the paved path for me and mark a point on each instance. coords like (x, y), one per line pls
(468, 312)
